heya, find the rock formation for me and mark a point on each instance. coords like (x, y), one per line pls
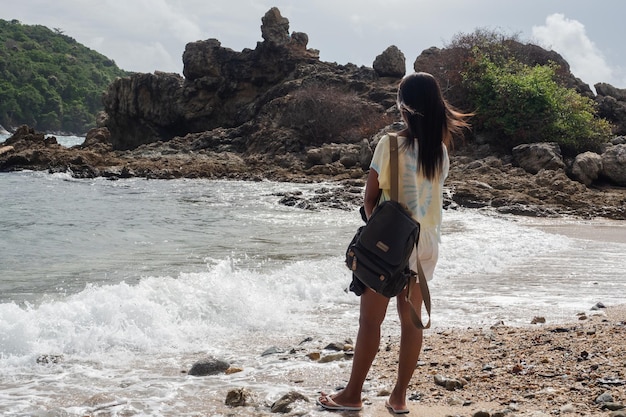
(221, 88)
(277, 112)
(612, 106)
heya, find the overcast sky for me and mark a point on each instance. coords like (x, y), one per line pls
(150, 35)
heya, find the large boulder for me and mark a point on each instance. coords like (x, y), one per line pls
(586, 167)
(614, 164)
(391, 63)
(533, 157)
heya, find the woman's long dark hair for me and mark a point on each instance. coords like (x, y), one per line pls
(430, 120)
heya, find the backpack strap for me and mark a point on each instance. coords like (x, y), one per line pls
(415, 315)
(413, 279)
(393, 164)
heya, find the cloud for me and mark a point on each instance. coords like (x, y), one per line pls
(569, 38)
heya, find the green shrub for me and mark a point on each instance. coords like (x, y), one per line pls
(516, 103)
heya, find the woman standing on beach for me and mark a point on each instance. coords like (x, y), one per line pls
(423, 166)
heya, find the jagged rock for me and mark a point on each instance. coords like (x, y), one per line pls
(534, 157)
(283, 405)
(557, 182)
(614, 111)
(605, 89)
(587, 167)
(221, 89)
(26, 137)
(300, 39)
(614, 164)
(612, 106)
(98, 137)
(275, 28)
(391, 63)
(143, 108)
(239, 397)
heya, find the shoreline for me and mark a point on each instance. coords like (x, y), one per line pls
(532, 371)
(477, 178)
(517, 371)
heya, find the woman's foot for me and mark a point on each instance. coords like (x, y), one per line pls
(397, 403)
(397, 409)
(336, 403)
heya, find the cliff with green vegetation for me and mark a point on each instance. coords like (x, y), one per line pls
(49, 81)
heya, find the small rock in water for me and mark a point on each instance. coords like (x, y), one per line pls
(333, 357)
(46, 359)
(598, 306)
(208, 366)
(272, 351)
(335, 346)
(538, 320)
(283, 405)
(239, 397)
(233, 370)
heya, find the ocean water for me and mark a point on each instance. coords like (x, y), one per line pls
(120, 286)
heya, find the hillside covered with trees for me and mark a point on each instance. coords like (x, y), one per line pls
(50, 81)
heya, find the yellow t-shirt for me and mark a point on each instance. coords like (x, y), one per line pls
(423, 197)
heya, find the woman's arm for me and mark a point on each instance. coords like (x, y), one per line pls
(372, 193)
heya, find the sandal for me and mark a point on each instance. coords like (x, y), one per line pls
(327, 403)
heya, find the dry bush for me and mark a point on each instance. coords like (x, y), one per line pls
(322, 114)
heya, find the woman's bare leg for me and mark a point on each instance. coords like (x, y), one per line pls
(372, 314)
(410, 347)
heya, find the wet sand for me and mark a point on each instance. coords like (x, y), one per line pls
(603, 230)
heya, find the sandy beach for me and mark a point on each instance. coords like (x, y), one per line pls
(572, 368)
(576, 369)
